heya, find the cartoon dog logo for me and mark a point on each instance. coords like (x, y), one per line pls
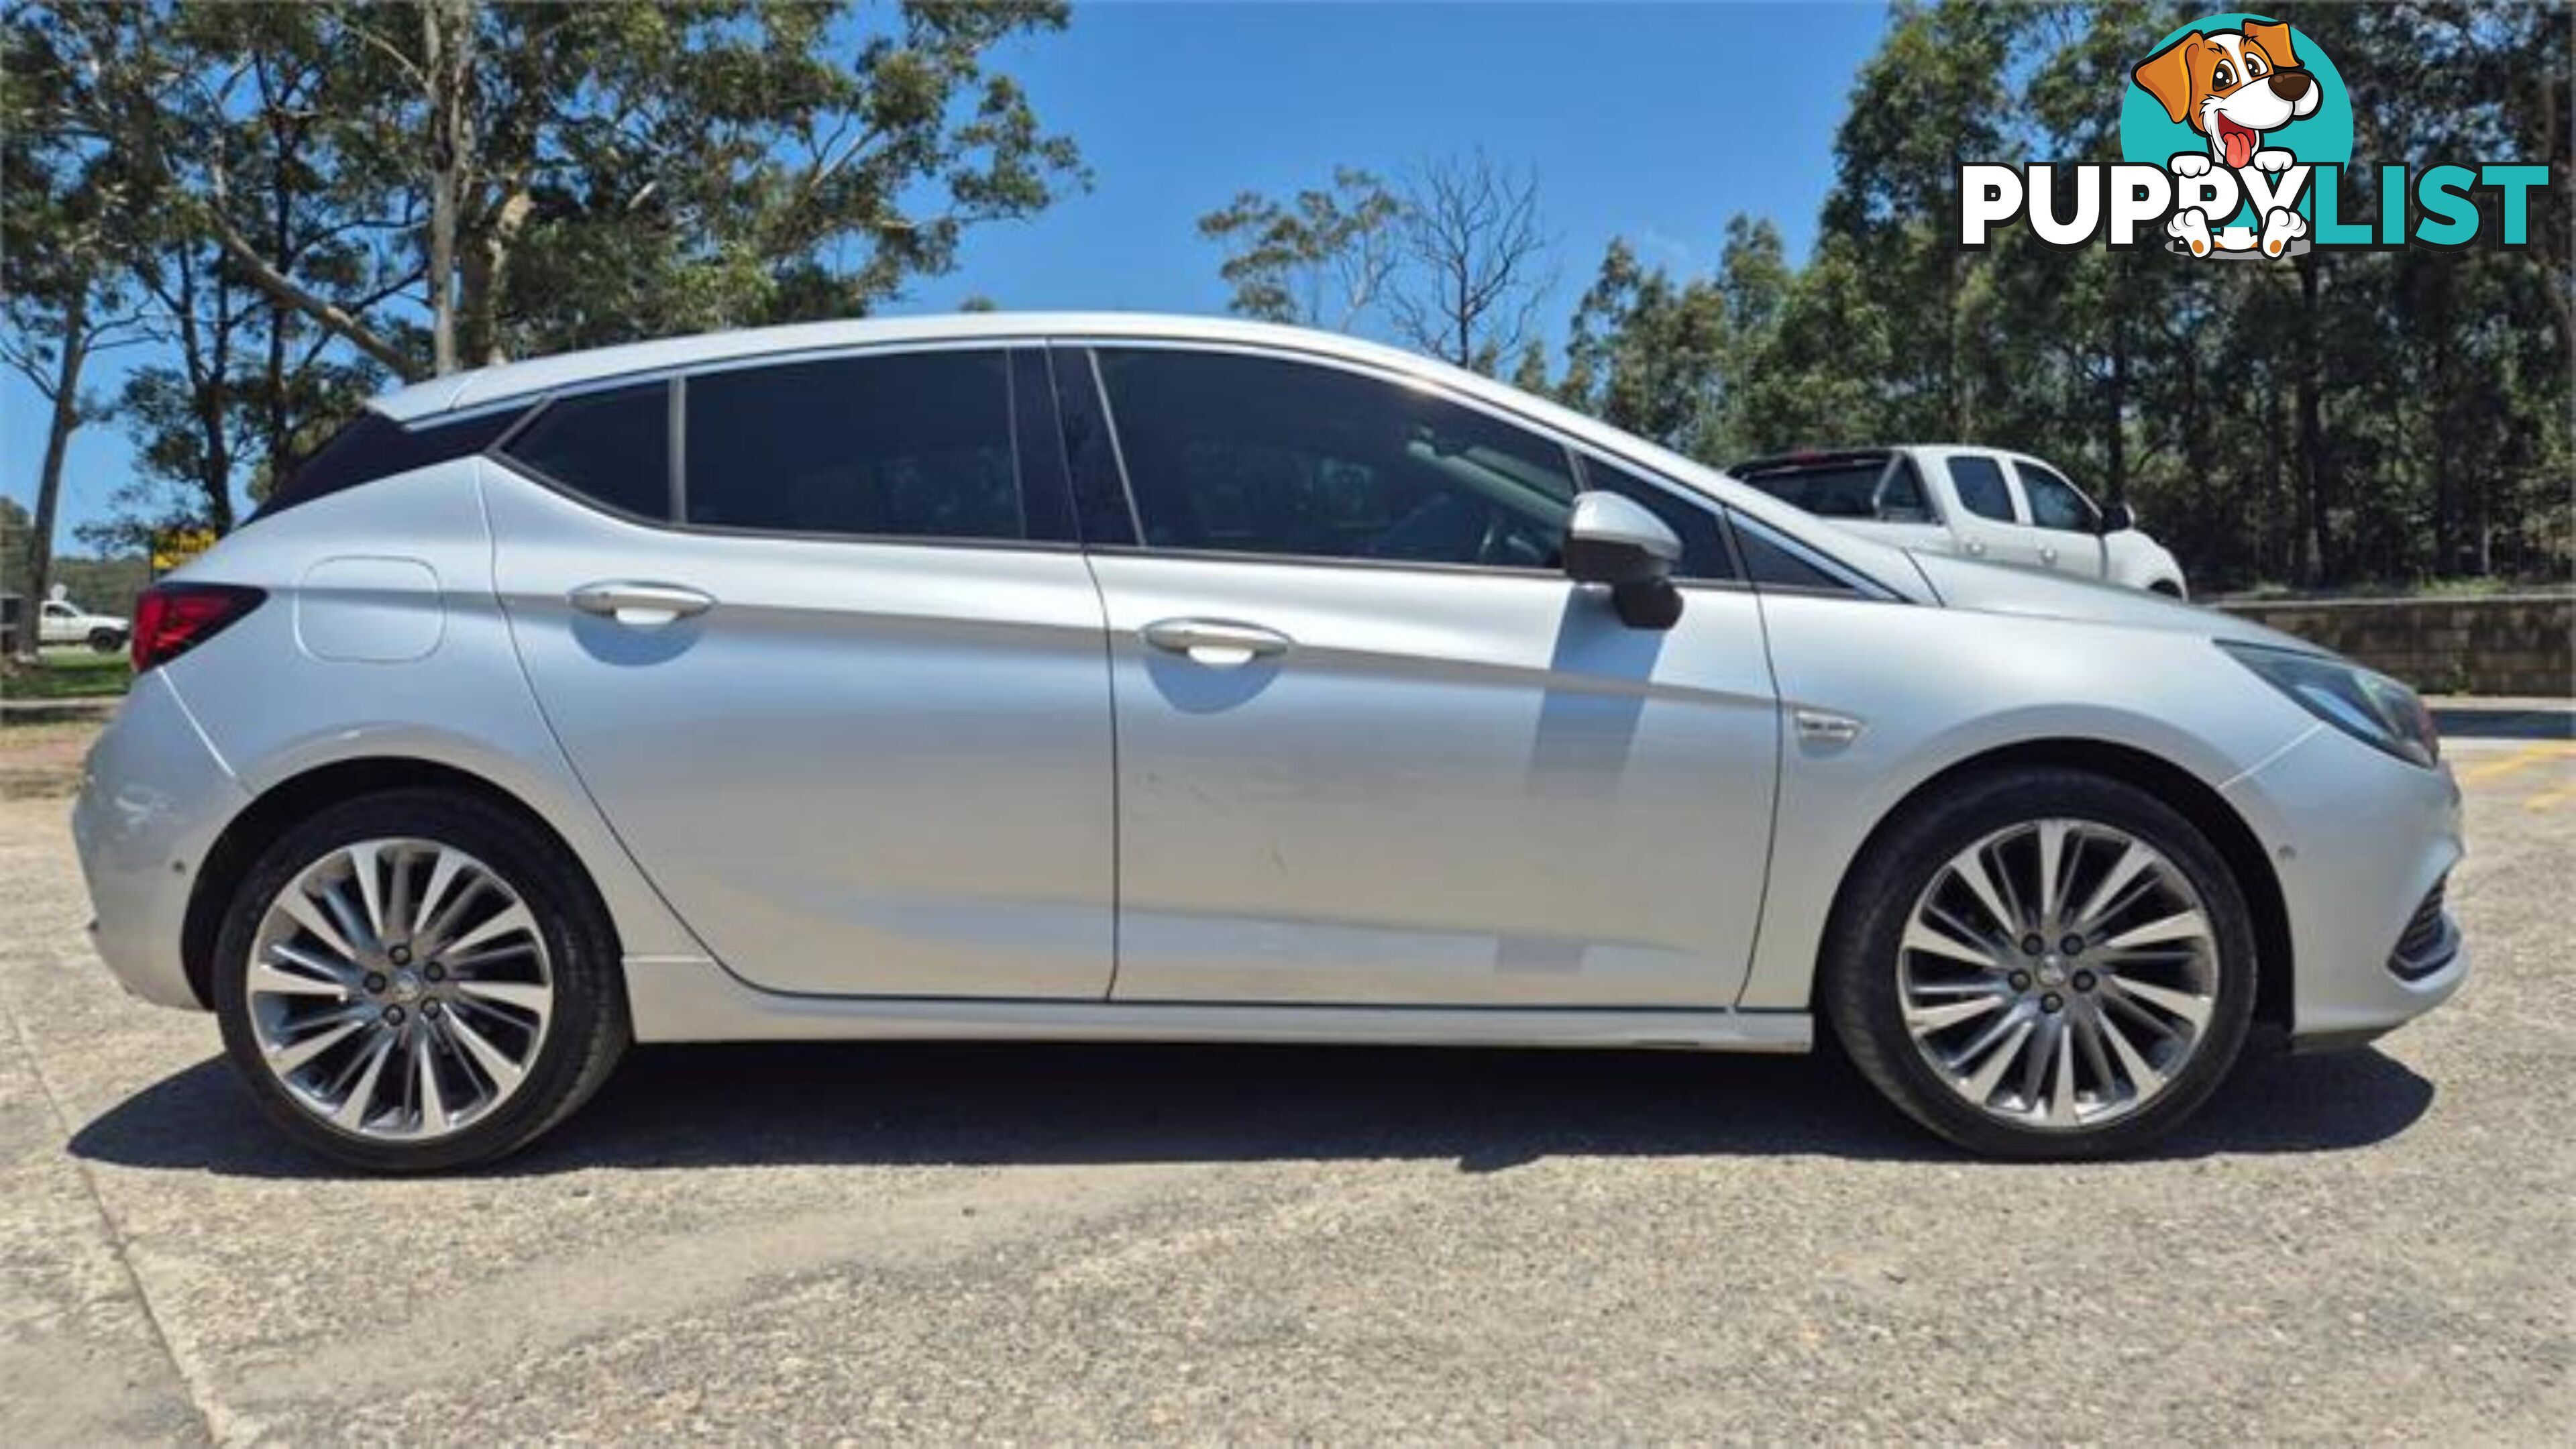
(2232, 86)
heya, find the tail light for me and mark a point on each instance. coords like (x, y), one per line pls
(171, 619)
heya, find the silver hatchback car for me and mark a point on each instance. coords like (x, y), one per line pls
(1117, 677)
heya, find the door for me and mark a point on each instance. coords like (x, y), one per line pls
(1988, 522)
(1373, 748)
(2069, 526)
(852, 718)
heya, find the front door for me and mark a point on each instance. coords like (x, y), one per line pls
(1373, 748)
(853, 719)
(2069, 526)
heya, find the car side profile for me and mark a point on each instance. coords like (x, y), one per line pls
(1977, 503)
(61, 621)
(1118, 677)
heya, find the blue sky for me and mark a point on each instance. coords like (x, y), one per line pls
(1653, 122)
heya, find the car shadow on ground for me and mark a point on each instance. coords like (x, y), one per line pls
(915, 1104)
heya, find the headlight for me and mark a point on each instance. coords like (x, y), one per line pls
(2369, 706)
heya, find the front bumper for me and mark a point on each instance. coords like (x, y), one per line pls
(2360, 842)
(153, 798)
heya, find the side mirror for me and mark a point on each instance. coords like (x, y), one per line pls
(1615, 541)
(2116, 518)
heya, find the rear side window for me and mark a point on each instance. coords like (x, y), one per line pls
(373, 446)
(1981, 487)
(916, 445)
(1841, 488)
(613, 448)
(1703, 541)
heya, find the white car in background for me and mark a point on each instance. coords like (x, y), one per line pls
(64, 622)
(1979, 503)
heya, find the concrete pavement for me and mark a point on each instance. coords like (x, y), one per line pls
(808, 1243)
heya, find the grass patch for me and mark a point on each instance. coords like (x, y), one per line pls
(70, 674)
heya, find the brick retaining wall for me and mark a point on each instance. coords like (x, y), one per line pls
(2506, 644)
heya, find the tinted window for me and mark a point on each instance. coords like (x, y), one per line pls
(612, 447)
(1703, 543)
(909, 446)
(1259, 455)
(1840, 488)
(1981, 487)
(2054, 503)
(1773, 562)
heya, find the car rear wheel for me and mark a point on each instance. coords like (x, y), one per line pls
(2043, 963)
(106, 641)
(415, 980)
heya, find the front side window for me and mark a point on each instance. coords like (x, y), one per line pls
(1237, 454)
(2054, 503)
(914, 445)
(1981, 487)
(610, 447)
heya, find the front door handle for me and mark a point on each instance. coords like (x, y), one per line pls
(642, 606)
(1976, 547)
(1216, 643)
(2047, 555)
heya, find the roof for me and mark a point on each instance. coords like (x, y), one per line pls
(464, 391)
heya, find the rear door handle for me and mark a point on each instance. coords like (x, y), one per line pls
(1976, 546)
(2047, 555)
(1216, 643)
(642, 606)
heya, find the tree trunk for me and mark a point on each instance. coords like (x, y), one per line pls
(49, 482)
(2314, 479)
(2117, 483)
(445, 156)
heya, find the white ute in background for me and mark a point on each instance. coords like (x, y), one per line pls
(1978, 503)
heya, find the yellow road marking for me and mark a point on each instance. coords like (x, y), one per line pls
(2527, 755)
(2549, 798)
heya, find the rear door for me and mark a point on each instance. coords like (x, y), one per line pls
(1373, 747)
(837, 680)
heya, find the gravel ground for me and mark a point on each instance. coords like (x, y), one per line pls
(1060, 1243)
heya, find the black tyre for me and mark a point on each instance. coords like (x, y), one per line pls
(418, 980)
(2042, 963)
(106, 641)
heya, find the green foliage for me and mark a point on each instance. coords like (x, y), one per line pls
(2356, 416)
(1321, 259)
(312, 200)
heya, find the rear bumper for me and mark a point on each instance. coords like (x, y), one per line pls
(2359, 841)
(153, 797)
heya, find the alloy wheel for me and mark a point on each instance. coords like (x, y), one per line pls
(2058, 974)
(399, 989)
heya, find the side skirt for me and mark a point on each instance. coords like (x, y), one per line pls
(695, 1000)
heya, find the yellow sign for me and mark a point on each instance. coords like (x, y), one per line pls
(175, 546)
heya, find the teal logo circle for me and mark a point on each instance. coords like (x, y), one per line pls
(2323, 137)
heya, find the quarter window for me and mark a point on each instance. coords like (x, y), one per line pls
(610, 447)
(1241, 454)
(2054, 503)
(915, 445)
(1981, 487)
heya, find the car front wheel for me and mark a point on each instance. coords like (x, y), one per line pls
(2043, 963)
(414, 981)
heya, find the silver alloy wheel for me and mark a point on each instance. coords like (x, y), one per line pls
(399, 989)
(2058, 974)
